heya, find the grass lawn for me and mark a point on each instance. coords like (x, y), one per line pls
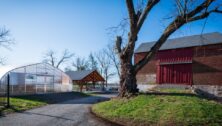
(166, 109)
(25, 102)
(18, 104)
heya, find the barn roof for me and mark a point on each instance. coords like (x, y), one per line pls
(183, 42)
(85, 75)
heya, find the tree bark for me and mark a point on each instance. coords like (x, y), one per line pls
(128, 86)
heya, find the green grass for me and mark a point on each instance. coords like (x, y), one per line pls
(168, 109)
(173, 90)
(17, 105)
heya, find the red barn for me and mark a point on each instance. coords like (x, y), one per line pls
(192, 60)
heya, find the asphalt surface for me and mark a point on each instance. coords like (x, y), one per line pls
(69, 113)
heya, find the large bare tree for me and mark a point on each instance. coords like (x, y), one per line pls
(51, 57)
(187, 11)
(5, 41)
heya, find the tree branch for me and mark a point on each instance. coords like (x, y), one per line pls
(80, 64)
(200, 8)
(2, 60)
(118, 44)
(5, 40)
(132, 15)
(203, 15)
(66, 56)
(50, 57)
(218, 11)
(52, 60)
(111, 53)
(139, 20)
(143, 16)
(176, 24)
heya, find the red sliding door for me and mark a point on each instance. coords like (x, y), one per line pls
(174, 66)
(175, 74)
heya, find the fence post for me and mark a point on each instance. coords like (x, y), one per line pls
(8, 90)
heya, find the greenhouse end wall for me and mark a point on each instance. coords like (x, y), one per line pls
(35, 79)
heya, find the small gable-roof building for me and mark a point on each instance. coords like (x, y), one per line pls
(85, 77)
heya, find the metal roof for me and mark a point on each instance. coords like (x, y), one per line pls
(183, 42)
(78, 75)
(32, 64)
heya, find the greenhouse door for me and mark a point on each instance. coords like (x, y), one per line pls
(175, 74)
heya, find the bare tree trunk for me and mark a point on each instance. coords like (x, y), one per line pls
(128, 84)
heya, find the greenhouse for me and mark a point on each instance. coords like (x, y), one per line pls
(35, 78)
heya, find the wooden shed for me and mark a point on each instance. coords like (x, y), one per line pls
(85, 78)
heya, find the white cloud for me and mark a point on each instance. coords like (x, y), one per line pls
(5, 68)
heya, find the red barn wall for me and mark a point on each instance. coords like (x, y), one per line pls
(206, 67)
(147, 75)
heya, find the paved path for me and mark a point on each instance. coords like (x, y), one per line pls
(70, 113)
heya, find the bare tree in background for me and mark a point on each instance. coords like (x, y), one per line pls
(52, 58)
(80, 64)
(104, 65)
(92, 63)
(110, 52)
(5, 41)
(187, 11)
(2, 60)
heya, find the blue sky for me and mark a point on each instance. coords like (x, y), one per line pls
(77, 25)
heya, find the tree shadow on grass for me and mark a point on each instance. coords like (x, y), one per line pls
(217, 99)
(2, 109)
(52, 98)
(88, 100)
(66, 98)
(170, 94)
(5, 110)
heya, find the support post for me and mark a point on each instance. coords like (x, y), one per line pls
(8, 90)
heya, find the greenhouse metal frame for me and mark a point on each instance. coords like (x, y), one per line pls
(34, 79)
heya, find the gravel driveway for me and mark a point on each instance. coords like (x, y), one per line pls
(69, 113)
